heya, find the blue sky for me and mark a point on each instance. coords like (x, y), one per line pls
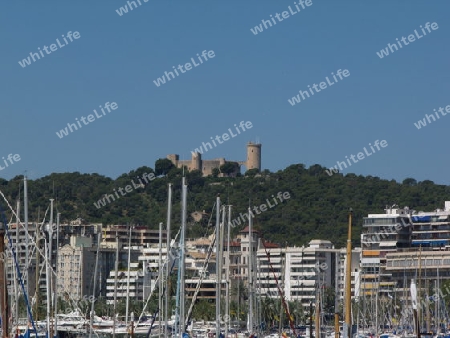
(250, 78)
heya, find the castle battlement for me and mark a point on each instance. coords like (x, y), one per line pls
(207, 166)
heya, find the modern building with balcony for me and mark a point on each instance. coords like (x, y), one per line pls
(129, 283)
(382, 234)
(431, 229)
(428, 259)
(302, 271)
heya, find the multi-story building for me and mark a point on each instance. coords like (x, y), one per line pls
(245, 240)
(301, 271)
(202, 270)
(197, 267)
(431, 229)
(310, 268)
(129, 283)
(429, 254)
(382, 234)
(18, 235)
(355, 273)
(76, 265)
(140, 236)
(40, 243)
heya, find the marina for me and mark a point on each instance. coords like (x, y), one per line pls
(176, 297)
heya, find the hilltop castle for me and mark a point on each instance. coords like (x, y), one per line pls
(206, 166)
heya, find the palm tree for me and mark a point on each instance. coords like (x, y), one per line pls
(269, 309)
(204, 310)
(297, 311)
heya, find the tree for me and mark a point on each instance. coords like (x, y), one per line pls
(328, 302)
(251, 172)
(229, 168)
(409, 182)
(163, 166)
(269, 309)
(316, 209)
(445, 287)
(204, 310)
(215, 172)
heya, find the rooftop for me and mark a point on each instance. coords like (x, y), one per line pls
(246, 230)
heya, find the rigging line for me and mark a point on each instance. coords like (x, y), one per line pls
(158, 309)
(282, 298)
(26, 231)
(203, 273)
(38, 249)
(30, 238)
(25, 268)
(18, 272)
(210, 219)
(166, 262)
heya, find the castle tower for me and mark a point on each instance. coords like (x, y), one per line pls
(174, 158)
(253, 156)
(196, 161)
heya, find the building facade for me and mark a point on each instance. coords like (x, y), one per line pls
(382, 234)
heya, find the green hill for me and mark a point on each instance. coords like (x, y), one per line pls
(317, 207)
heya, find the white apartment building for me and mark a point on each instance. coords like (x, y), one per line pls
(300, 271)
(382, 234)
(129, 283)
(355, 273)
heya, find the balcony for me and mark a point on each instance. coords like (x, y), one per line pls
(371, 253)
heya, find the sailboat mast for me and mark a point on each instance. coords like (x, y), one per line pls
(183, 256)
(436, 307)
(376, 306)
(438, 302)
(47, 277)
(115, 284)
(427, 315)
(348, 282)
(227, 290)
(250, 271)
(217, 266)
(317, 321)
(3, 286)
(160, 279)
(128, 279)
(169, 216)
(222, 231)
(99, 238)
(36, 294)
(419, 313)
(56, 271)
(415, 307)
(16, 277)
(282, 263)
(50, 270)
(25, 216)
(336, 298)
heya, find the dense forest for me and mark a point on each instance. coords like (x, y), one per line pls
(317, 208)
